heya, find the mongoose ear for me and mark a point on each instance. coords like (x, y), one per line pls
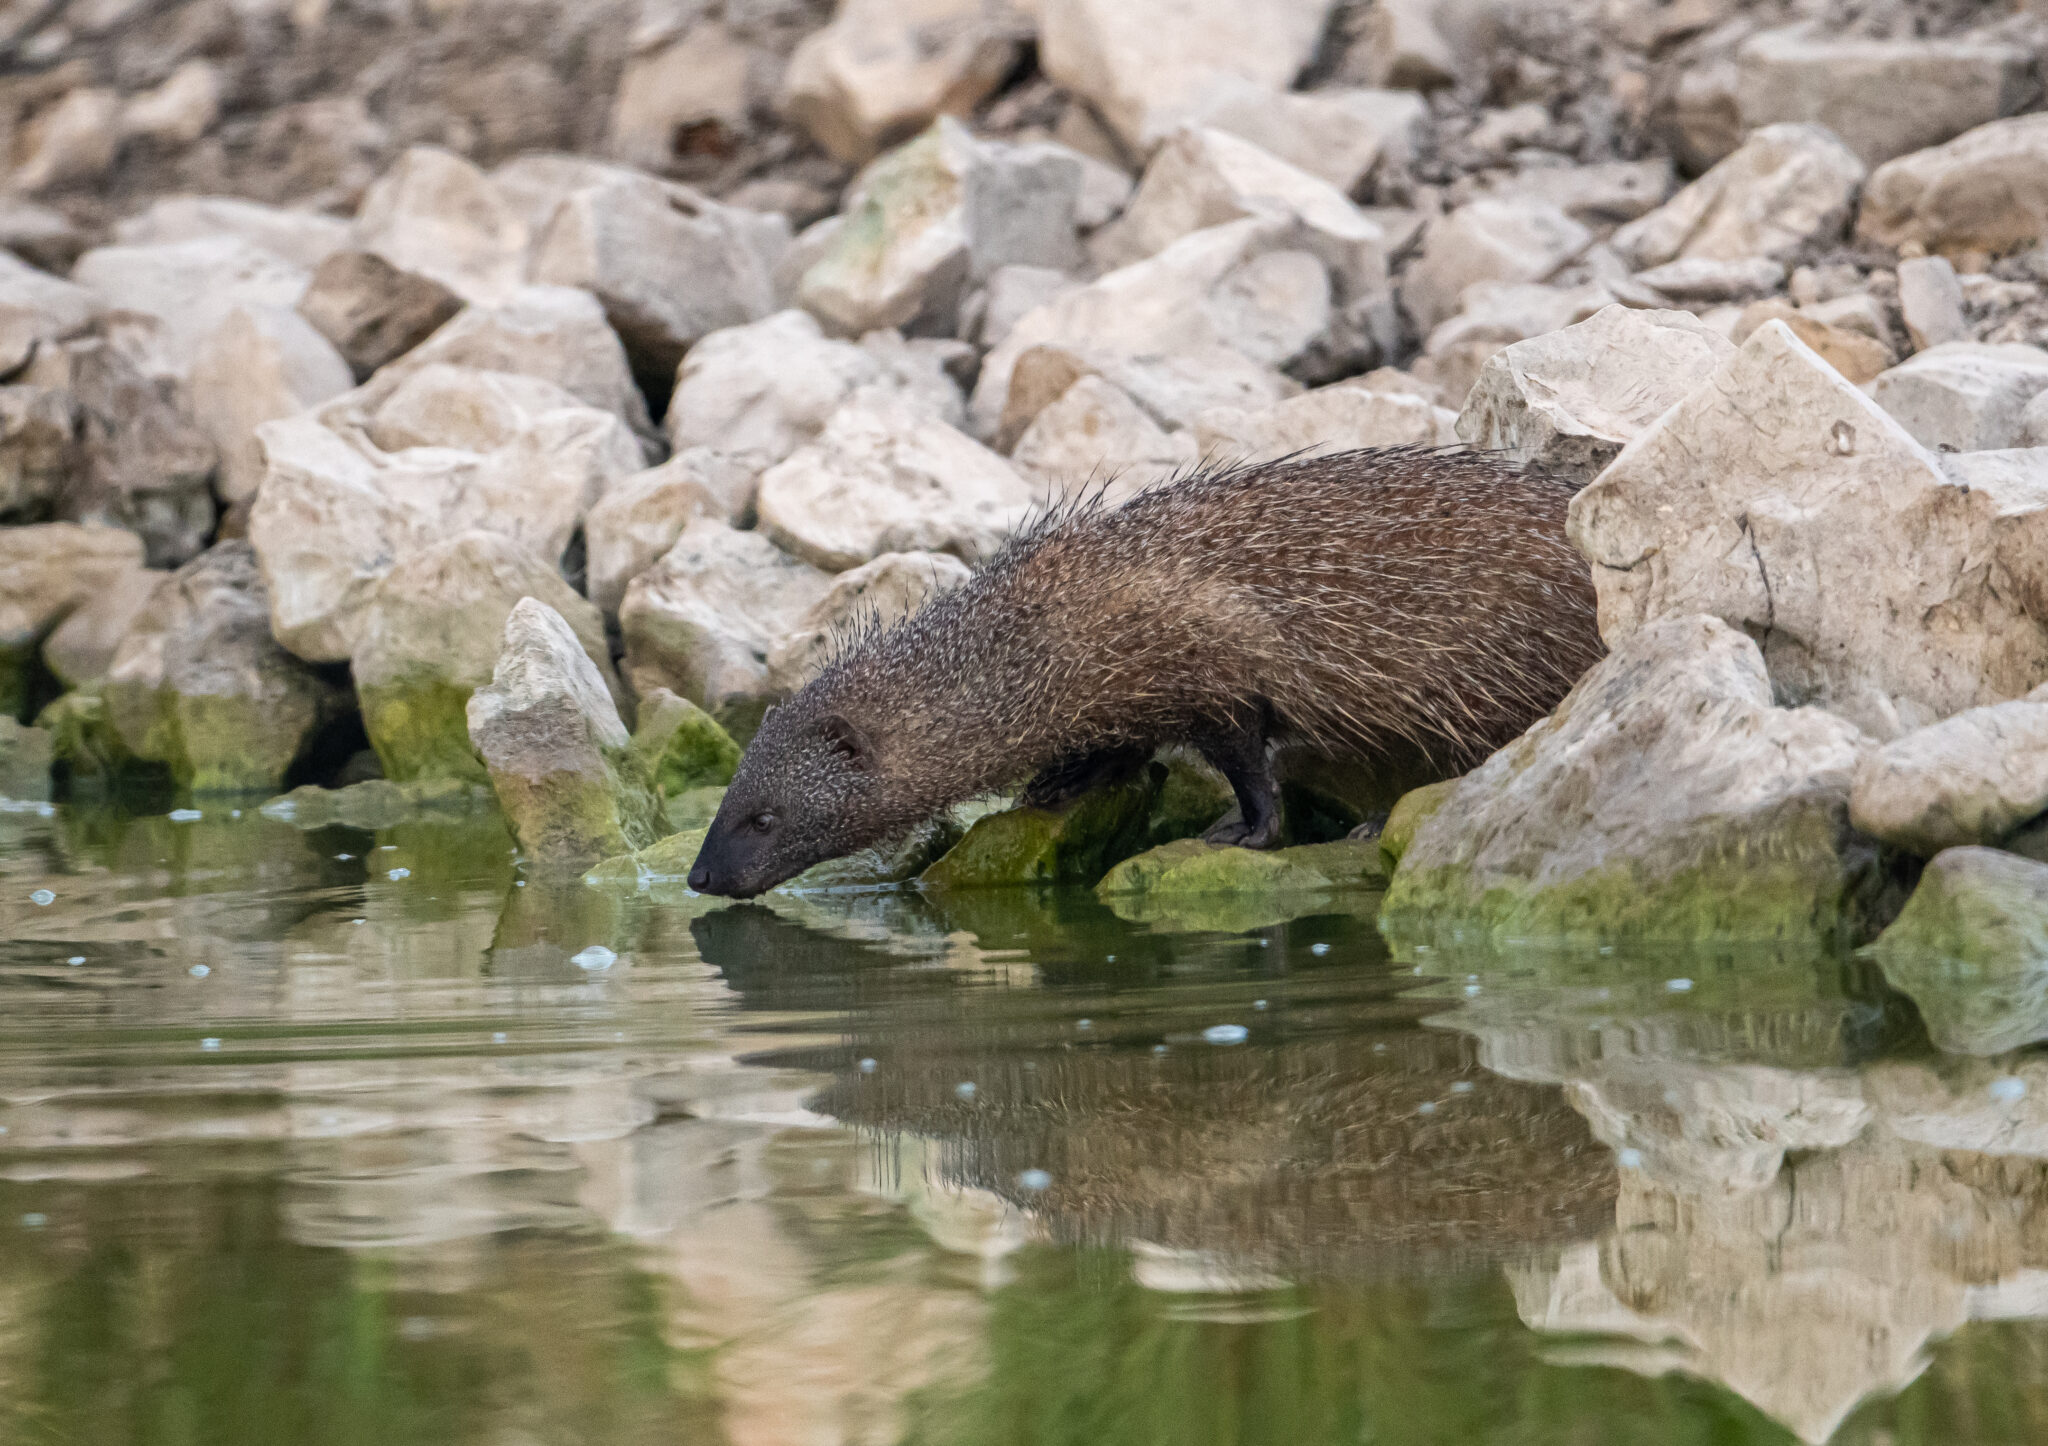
(843, 738)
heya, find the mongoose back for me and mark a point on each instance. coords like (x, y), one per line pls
(1352, 603)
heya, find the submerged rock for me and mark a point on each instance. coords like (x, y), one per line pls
(1969, 779)
(1971, 948)
(1191, 866)
(380, 803)
(1666, 798)
(25, 758)
(1074, 845)
(85, 743)
(572, 786)
(200, 685)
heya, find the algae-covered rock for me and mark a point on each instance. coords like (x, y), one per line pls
(1666, 798)
(692, 808)
(894, 862)
(85, 742)
(1192, 797)
(379, 803)
(201, 686)
(1971, 948)
(566, 772)
(694, 753)
(1193, 885)
(1409, 814)
(664, 861)
(1074, 845)
(25, 755)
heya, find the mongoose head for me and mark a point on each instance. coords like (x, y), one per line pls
(808, 789)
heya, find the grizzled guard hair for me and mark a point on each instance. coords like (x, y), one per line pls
(1352, 603)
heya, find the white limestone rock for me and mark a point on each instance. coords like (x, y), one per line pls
(437, 214)
(36, 307)
(1931, 302)
(1336, 134)
(877, 593)
(1328, 419)
(1986, 191)
(1970, 779)
(260, 364)
(1096, 435)
(1782, 188)
(1487, 240)
(303, 238)
(640, 517)
(1964, 396)
(192, 286)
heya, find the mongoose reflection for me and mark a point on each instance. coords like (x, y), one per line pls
(1348, 603)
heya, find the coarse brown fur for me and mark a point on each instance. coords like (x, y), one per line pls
(1352, 603)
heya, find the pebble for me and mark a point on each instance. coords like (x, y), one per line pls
(1226, 1034)
(595, 958)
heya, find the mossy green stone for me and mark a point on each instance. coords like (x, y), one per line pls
(230, 744)
(25, 755)
(1971, 949)
(421, 730)
(1409, 814)
(380, 803)
(1193, 886)
(665, 861)
(1191, 866)
(1192, 797)
(692, 808)
(699, 754)
(1076, 845)
(84, 739)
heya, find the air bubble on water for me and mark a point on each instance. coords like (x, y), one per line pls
(209, 1044)
(345, 857)
(359, 921)
(1319, 948)
(2007, 1088)
(595, 958)
(184, 815)
(1258, 1004)
(387, 848)
(34, 1220)
(868, 1066)
(199, 971)
(1034, 1180)
(1379, 1049)
(75, 960)
(1265, 943)
(1470, 990)
(519, 883)
(964, 1089)
(1606, 948)
(43, 897)
(396, 874)
(1109, 958)
(1629, 1159)
(1678, 986)
(234, 813)
(498, 1036)
(1462, 1087)
(1159, 1049)
(1226, 1034)
(1427, 1107)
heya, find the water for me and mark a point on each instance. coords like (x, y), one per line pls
(335, 1137)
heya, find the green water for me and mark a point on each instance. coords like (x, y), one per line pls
(299, 1151)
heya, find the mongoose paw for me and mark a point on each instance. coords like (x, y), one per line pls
(1234, 832)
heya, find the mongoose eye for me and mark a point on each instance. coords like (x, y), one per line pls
(763, 822)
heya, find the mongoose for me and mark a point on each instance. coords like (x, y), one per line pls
(1349, 603)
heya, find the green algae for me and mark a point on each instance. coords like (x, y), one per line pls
(699, 753)
(1074, 845)
(1190, 885)
(1413, 809)
(421, 729)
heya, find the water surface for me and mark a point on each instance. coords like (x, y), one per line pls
(339, 1137)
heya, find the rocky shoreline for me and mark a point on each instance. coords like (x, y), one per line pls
(410, 405)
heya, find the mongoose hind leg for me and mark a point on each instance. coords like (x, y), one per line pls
(1059, 784)
(1240, 754)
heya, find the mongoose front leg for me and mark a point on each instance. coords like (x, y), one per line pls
(1239, 754)
(1059, 784)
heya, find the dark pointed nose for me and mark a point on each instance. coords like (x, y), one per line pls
(700, 878)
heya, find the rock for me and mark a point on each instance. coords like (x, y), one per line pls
(1970, 779)
(1971, 949)
(883, 69)
(429, 637)
(38, 450)
(1075, 845)
(1931, 300)
(380, 803)
(192, 286)
(1190, 866)
(1405, 44)
(885, 476)
(1859, 358)
(1665, 798)
(1882, 97)
(1332, 418)
(1338, 135)
(1244, 287)
(640, 517)
(25, 758)
(1571, 400)
(141, 462)
(669, 265)
(177, 112)
(1600, 194)
(37, 308)
(927, 221)
(1145, 65)
(1095, 435)
(1984, 191)
(261, 364)
(693, 97)
(552, 332)
(373, 312)
(1409, 813)
(1204, 177)
(88, 749)
(199, 685)
(47, 571)
(435, 214)
(1703, 278)
(304, 239)
(38, 234)
(1173, 391)
(876, 594)
(74, 141)
(562, 763)
(1785, 187)
(1964, 396)
(698, 753)
(701, 621)
(1486, 240)
(1495, 314)
(1777, 497)
(81, 648)
(352, 490)
(1011, 291)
